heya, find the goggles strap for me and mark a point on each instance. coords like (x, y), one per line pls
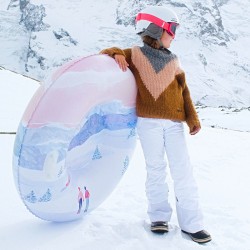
(148, 17)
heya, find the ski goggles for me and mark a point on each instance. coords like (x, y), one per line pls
(170, 27)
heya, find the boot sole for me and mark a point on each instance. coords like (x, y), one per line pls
(159, 230)
(205, 240)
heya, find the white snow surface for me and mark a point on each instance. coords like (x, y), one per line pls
(220, 158)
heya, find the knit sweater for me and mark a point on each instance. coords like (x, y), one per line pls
(162, 89)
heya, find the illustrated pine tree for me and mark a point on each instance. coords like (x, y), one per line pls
(31, 197)
(132, 133)
(125, 164)
(46, 197)
(97, 155)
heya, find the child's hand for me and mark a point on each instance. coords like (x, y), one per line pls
(195, 130)
(120, 59)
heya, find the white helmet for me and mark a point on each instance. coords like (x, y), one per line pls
(158, 15)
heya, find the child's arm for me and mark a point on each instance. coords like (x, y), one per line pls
(119, 55)
(113, 51)
(192, 119)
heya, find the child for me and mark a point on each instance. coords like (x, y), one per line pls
(163, 103)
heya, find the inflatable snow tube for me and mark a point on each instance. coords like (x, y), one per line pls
(75, 139)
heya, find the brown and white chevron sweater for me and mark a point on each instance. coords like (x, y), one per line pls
(162, 89)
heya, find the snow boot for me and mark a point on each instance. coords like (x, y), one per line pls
(199, 237)
(159, 227)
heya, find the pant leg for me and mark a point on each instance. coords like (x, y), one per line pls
(87, 205)
(80, 205)
(151, 136)
(187, 200)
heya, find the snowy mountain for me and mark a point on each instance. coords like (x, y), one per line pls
(212, 42)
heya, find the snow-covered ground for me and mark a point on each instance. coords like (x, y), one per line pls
(220, 158)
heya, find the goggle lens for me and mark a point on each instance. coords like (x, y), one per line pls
(171, 29)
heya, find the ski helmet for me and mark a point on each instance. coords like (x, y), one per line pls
(154, 19)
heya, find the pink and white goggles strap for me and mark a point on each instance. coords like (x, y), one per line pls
(170, 27)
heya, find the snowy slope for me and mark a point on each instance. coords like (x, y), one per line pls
(15, 93)
(220, 158)
(212, 41)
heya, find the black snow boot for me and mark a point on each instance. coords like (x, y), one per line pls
(199, 237)
(159, 227)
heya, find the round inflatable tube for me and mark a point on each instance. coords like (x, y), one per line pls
(75, 139)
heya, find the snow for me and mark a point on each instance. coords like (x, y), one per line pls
(220, 157)
(11, 109)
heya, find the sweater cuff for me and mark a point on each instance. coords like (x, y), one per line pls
(113, 51)
(193, 123)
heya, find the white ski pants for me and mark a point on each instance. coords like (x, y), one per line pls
(157, 137)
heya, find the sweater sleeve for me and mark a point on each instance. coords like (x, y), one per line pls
(117, 51)
(192, 119)
(113, 51)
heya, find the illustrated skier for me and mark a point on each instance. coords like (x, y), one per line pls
(80, 200)
(86, 195)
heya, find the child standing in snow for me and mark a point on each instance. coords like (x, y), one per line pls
(163, 103)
